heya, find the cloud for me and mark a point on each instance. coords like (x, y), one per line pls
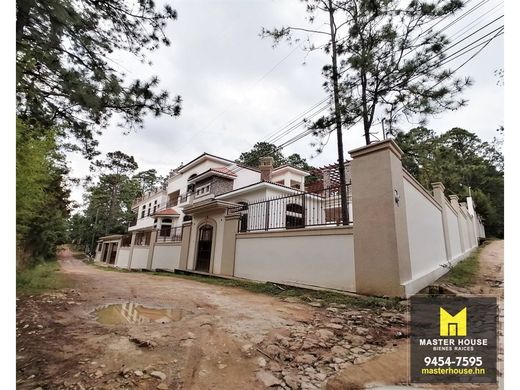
(232, 96)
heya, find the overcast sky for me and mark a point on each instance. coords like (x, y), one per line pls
(237, 89)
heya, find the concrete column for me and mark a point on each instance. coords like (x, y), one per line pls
(229, 244)
(185, 245)
(153, 239)
(454, 199)
(381, 249)
(474, 215)
(132, 244)
(438, 194)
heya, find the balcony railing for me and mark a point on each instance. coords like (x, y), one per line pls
(169, 234)
(299, 210)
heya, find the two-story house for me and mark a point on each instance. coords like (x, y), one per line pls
(205, 186)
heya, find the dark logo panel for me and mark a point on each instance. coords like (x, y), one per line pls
(453, 339)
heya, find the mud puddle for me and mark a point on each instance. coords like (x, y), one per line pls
(133, 313)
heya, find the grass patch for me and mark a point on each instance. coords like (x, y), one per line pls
(465, 272)
(40, 278)
(327, 298)
(306, 295)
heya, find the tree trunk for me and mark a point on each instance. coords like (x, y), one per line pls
(337, 117)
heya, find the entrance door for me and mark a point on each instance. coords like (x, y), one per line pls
(204, 248)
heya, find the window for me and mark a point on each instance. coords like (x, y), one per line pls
(243, 217)
(142, 238)
(144, 211)
(174, 198)
(126, 240)
(166, 227)
(149, 208)
(294, 216)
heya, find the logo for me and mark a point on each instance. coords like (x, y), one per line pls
(453, 325)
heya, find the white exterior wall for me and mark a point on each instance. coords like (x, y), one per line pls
(142, 223)
(464, 230)
(123, 257)
(453, 228)
(314, 260)
(140, 257)
(166, 256)
(245, 177)
(425, 231)
(147, 221)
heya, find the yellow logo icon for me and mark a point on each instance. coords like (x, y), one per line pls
(453, 325)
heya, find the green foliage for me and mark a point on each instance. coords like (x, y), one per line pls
(148, 180)
(386, 59)
(40, 278)
(281, 291)
(65, 76)
(462, 162)
(262, 149)
(465, 272)
(42, 205)
(108, 201)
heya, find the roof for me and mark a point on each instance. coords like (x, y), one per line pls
(188, 165)
(223, 170)
(253, 186)
(290, 167)
(220, 171)
(168, 211)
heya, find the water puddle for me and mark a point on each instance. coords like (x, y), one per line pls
(133, 313)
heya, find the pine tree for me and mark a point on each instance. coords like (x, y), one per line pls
(65, 76)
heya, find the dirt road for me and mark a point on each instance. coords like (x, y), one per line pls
(216, 337)
(392, 368)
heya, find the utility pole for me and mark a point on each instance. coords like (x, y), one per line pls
(337, 117)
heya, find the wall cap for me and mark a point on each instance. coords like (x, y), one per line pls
(438, 184)
(454, 197)
(376, 147)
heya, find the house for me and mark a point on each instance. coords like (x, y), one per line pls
(206, 186)
(218, 217)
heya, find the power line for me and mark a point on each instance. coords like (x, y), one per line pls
(266, 139)
(451, 57)
(499, 31)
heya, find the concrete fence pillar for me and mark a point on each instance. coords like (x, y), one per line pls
(185, 245)
(229, 244)
(151, 248)
(132, 245)
(438, 194)
(381, 248)
(454, 199)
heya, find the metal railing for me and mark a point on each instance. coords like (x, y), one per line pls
(298, 210)
(169, 234)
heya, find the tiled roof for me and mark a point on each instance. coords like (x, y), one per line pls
(224, 170)
(168, 211)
